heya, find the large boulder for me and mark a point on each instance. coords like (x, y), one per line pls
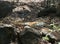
(7, 34)
(48, 11)
(5, 8)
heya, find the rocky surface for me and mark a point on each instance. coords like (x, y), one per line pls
(25, 26)
(25, 1)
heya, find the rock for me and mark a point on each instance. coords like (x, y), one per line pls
(32, 30)
(55, 35)
(45, 30)
(28, 10)
(29, 36)
(41, 24)
(44, 42)
(7, 34)
(21, 8)
(22, 11)
(5, 8)
(49, 11)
